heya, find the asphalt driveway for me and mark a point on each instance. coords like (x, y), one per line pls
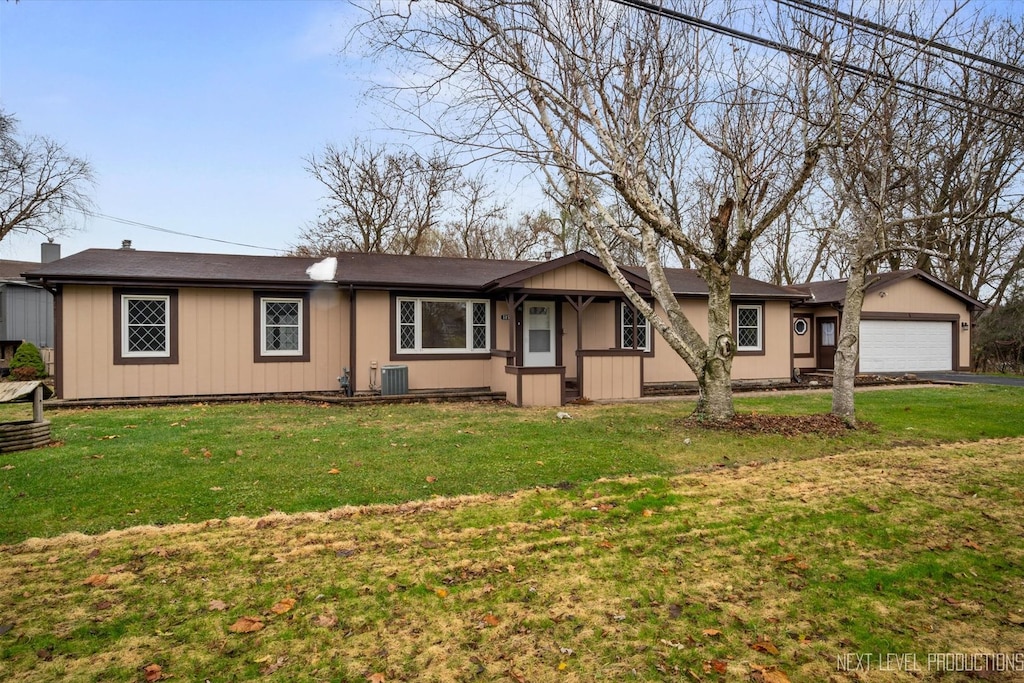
(971, 378)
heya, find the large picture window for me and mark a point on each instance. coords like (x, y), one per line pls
(442, 326)
(635, 329)
(145, 326)
(749, 328)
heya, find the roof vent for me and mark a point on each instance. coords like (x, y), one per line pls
(126, 245)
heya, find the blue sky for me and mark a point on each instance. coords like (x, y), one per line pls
(195, 115)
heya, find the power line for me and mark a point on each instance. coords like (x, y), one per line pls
(933, 95)
(931, 46)
(882, 30)
(155, 228)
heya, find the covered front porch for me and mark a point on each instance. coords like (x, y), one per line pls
(567, 346)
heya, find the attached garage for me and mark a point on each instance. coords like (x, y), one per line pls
(906, 346)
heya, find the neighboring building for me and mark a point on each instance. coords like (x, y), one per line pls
(145, 324)
(26, 309)
(910, 322)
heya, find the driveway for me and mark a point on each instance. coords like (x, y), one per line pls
(971, 378)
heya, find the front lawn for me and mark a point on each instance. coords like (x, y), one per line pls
(116, 468)
(897, 564)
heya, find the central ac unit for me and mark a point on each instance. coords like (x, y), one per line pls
(394, 380)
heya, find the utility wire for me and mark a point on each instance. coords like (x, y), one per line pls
(933, 95)
(155, 228)
(933, 47)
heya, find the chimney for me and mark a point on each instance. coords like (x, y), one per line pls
(126, 245)
(49, 252)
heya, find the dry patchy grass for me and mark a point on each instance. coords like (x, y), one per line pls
(759, 572)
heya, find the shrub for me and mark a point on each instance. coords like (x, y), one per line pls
(27, 362)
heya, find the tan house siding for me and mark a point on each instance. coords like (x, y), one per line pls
(573, 277)
(612, 376)
(215, 348)
(803, 344)
(774, 364)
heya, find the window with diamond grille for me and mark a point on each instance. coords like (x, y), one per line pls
(636, 329)
(146, 327)
(282, 327)
(442, 326)
(748, 328)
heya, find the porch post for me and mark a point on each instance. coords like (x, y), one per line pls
(579, 304)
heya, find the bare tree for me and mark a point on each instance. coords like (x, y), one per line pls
(378, 201)
(643, 122)
(40, 182)
(895, 114)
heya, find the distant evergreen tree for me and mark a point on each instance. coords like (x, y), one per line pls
(27, 362)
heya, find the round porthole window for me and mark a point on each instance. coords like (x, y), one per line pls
(800, 326)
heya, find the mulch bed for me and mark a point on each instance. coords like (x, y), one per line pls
(786, 425)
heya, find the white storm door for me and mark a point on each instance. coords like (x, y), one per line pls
(538, 334)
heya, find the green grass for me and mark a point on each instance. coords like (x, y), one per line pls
(757, 572)
(115, 468)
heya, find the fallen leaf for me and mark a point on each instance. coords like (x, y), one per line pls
(786, 558)
(762, 674)
(153, 672)
(971, 544)
(511, 569)
(7, 467)
(334, 470)
(217, 606)
(216, 488)
(52, 559)
(765, 646)
(4, 628)
(274, 665)
(246, 625)
(720, 666)
(96, 580)
(109, 437)
(605, 544)
(325, 620)
(648, 513)
(392, 588)
(102, 605)
(441, 592)
(562, 666)
(376, 678)
(94, 553)
(283, 606)
(1016, 619)
(431, 479)
(239, 452)
(711, 632)
(491, 620)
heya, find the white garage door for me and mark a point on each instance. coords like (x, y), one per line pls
(905, 346)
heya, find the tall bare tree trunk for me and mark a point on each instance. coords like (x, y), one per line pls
(847, 346)
(715, 377)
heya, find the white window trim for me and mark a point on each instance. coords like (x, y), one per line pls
(264, 351)
(125, 326)
(418, 322)
(760, 327)
(622, 328)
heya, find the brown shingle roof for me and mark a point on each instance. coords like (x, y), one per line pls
(12, 270)
(384, 271)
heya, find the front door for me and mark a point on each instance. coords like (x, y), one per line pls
(827, 328)
(538, 334)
